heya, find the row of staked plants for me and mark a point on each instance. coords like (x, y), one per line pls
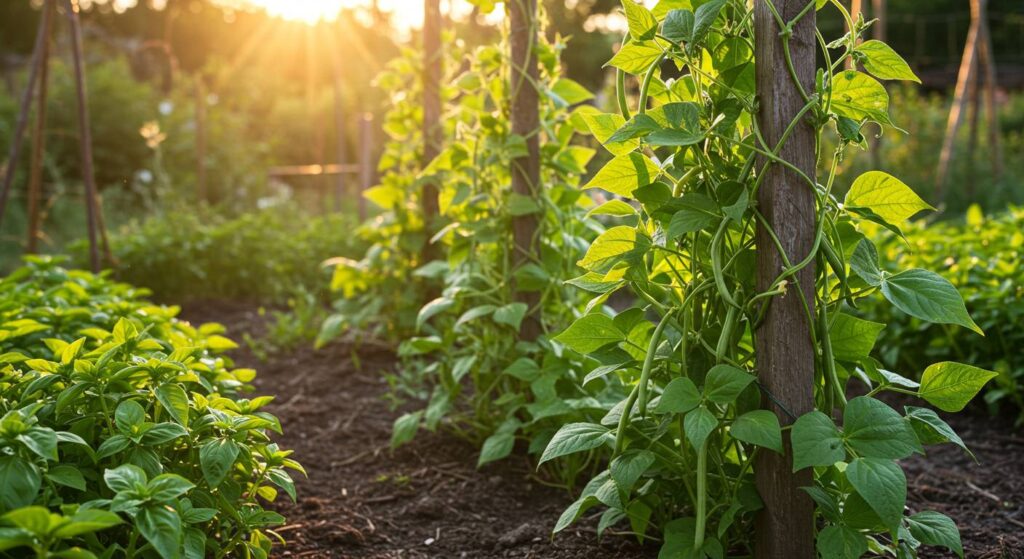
(643, 387)
(126, 432)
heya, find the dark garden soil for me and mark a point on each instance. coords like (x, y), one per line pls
(427, 499)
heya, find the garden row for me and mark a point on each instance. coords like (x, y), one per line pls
(647, 379)
(126, 432)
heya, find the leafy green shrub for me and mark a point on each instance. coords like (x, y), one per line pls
(125, 430)
(981, 256)
(267, 255)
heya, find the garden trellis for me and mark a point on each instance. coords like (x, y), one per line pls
(38, 73)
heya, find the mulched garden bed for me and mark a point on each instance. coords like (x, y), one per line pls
(428, 500)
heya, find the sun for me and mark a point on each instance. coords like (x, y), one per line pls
(306, 11)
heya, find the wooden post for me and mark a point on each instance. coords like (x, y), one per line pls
(85, 135)
(35, 178)
(24, 109)
(200, 100)
(365, 161)
(525, 118)
(878, 12)
(340, 146)
(433, 130)
(967, 75)
(785, 353)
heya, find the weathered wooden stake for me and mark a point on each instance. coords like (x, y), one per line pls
(85, 135)
(785, 353)
(24, 110)
(856, 9)
(35, 177)
(433, 130)
(961, 96)
(365, 161)
(526, 123)
(986, 59)
(200, 93)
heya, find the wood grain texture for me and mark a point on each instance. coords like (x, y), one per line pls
(525, 119)
(433, 136)
(785, 354)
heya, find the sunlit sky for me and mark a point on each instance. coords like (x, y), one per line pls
(405, 14)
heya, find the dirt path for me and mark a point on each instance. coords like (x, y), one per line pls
(427, 500)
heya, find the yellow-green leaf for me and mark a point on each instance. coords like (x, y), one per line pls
(624, 174)
(886, 196)
(858, 96)
(884, 63)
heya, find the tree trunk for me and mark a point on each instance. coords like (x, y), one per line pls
(525, 122)
(785, 353)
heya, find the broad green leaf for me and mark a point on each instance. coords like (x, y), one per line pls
(725, 382)
(474, 313)
(636, 57)
(575, 437)
(621, 243)
(86, 522)
(573, 512)
(40, 440)
(405, 428)
(864, 262)
(704, 19)
(678, 26)
(174, 400)
(935, 528)
(628, 467)
(858, 96)
(568, 92)
(853, 338)
(931, 429)
(758, 427)
(129, 414)
(590, 333)
(432, 308)
(613, 207)
(126, 477)
(624, 174)
(698, 212)
(674, 138)
(816, 441)
(883, 486)
(841, 542)
(35, 520)
(926, 295)
(874, 430)
(216, 458)
(679, 540)
(886, 196)
(68, 476)
(698, 425)
(679, 396)
(161, 527)
(167, 487)
(603, 125)
(663, 7)
(496, 447)
(642, 23)
(950, 386)
(511, 314)
(884, 63)
(637, 127)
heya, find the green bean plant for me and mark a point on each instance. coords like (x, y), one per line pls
(682, 444)
(124, 431)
